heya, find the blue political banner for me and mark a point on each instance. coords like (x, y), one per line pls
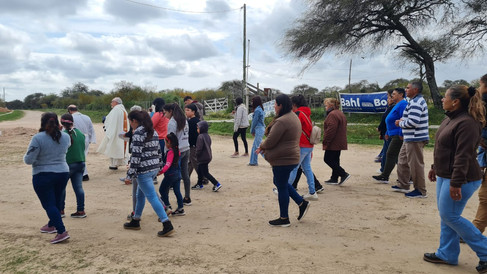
(364, 102)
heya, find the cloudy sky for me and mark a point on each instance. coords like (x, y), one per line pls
(46, 46)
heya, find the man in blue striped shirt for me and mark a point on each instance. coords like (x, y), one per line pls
(414, 124)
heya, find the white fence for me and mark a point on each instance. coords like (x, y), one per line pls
(215, 105)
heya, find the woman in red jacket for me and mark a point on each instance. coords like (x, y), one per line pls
(334, 140)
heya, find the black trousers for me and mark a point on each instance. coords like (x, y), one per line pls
(332, 159)
(203, 173)
(298, 176)
(241, 132)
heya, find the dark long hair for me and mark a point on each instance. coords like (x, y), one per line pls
(284, 101)
(173, 139)
(177, 114)
(143, 118)
(256, 102)
(50, 124)
(158, 104)
(68, 122)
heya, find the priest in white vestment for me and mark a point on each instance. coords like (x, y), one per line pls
(113, 146)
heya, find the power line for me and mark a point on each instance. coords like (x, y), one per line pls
(182, 11)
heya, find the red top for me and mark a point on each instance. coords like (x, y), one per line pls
(306, 126)
(160, 124)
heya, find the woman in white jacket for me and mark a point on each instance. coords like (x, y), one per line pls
(241, 123)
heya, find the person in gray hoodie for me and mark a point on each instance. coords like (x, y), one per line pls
(203, 156)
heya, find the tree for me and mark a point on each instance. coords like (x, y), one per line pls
(440, 50)
(15, 104)
(396, 83)
(304, 90)
(350, 26)
(450, 83)
(33, 101)
(472, 29)
(362, 87)
(233, 88)
(75, 91)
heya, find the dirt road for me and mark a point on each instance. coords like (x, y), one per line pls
(361, 227)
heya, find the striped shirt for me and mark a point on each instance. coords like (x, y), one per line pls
(146, 156)
(414, 121)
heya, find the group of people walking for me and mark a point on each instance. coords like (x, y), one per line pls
(455, 169)
(175, 142)
(163, 144)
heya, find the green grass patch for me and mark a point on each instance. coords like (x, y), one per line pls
(356, 134)
(14, 115)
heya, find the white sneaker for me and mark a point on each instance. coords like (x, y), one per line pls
(310, 197)
(378, 171)
(275, 191)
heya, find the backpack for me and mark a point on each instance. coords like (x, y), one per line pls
(315, 136)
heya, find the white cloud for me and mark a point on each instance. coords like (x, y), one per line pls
(44, 7)
(49, 45)
(133, 13)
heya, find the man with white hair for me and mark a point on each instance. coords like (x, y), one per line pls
(84, 124)
(112, 146)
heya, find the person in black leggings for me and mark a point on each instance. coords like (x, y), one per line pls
(241, 123)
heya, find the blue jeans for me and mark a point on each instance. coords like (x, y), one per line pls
(286, 190)
(259, 134)
(385, 147)
(305, 162)
(145, 188)
(454, 226)
(76, 171)
(173, 180)
(49, 187)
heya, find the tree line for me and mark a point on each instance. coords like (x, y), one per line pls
(85, 98)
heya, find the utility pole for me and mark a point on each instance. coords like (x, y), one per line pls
(244, 91)
(350, 77)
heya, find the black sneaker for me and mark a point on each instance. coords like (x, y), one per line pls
(167, 229)
(482, 267)
(78, 214)
(320, 189)
(280, 222)
(134, 224)
(179, 212)
(432, 258)
(187, 201)
(217, 187)
(86, 178)
(331, 182)
(303, 208)
(381, 179)
(344, 179)
(197, 187)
